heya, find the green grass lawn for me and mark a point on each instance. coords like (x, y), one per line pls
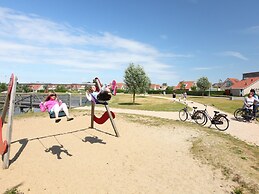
(144, 103)
(223, 104)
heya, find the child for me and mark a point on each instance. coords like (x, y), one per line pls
(52, 104)
(102, 95)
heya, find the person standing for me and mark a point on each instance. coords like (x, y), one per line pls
(174, 96)
(256, 104)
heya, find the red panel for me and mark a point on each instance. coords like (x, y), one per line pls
(103, 118)
(3, 144)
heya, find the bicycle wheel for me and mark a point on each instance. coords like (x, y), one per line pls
(239, 114)
(257, 116)
(221, 123)
(183, 115)
(200, 118)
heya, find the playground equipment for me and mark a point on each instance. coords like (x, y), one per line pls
(9, 103)
(106, 115)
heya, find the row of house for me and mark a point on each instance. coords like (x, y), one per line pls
(78, 87)
(231, 86)
(72, 87)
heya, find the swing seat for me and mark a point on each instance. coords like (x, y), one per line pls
(60, 114)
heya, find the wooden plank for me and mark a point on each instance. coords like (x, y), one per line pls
(112, 121)
(92, 114)
(10, 125)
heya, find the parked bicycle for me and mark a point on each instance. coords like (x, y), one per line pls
(220, 120)
(198, 117)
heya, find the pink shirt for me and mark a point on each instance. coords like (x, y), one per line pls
(48, 105)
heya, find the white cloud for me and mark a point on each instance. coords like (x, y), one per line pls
(252, 29)
(234, 54)
(202, 68)
(27, 39)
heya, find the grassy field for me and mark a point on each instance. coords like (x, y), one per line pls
(157, 104)
(223, 104)
(144, 103)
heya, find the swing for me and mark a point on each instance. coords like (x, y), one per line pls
(60, 114)
(52, 113)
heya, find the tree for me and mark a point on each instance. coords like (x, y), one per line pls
(182, 85)
(61, 88)
(3, 87)
(26, 88)
(193, 88)
(203, 84)
(136, 80)
(169, 89)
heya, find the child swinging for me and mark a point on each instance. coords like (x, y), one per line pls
(53, 105)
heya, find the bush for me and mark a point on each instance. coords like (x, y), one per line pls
(155, 92)
(204, 93)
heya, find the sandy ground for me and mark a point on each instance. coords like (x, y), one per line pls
(69, 157)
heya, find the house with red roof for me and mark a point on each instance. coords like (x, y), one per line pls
(155, 87)
(36, 87)
(227, 84)
(244, 86)
(121, 86)
(185, 85)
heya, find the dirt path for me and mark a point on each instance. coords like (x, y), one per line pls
(68, 157)
(248, 132)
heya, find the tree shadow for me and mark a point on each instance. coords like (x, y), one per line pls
(93, 140)
(57, 150)
(128, 103)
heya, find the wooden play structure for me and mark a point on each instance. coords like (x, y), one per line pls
(9, 104)
(106, 115)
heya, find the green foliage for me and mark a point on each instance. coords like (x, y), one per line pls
(136, 80)
(26, 88)
(13, 191)
(203, 83)
(120, 91)
(155, 92)
(61, 88)
(169, 89)
(206, 93)
(182, 85)
(194, 88)
(3, 87)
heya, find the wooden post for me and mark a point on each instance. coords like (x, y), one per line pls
(92, 114)
(10, 124)
(31, 103)
(69, 100)
(112, 121)
(80, 100)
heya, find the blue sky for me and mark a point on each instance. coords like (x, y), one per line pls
(68, 41)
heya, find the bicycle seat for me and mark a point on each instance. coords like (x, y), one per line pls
(216, 112)
(195, 107)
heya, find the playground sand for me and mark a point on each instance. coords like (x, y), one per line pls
(69, 157)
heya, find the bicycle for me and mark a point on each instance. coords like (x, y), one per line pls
(245, 114)
(195, 115)
(220, 120)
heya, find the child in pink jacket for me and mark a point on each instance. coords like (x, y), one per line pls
(52, 104)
